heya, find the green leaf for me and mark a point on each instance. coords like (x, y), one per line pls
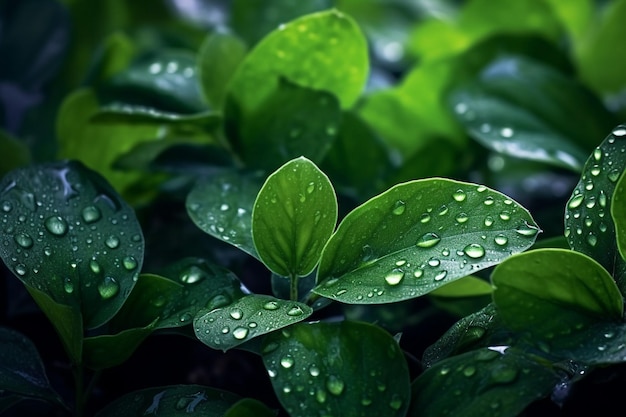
(496, 381)
(292, 121)
(247, 317)
(588, 226)
(618, 214)
(221, 206)
(172, 401)
(522, 108)
(294, 215)
(106, 351)
(534, 287)
(248, 407)
(419, 236)
(72, 237)
(14, 153)
(465, 287)
(322, 51)
(21, 369)
(326, 368)
(218, 58)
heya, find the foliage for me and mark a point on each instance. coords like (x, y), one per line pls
(385, 208)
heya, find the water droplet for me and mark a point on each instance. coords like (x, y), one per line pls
(501, 239)
(526, 229)
(24, 240)
(474, 251)
(91, 214)
(428, 240)
(94, 266)
(314, 370)
(320, 396)
(47, 251)
(459, 195)
(507, 132)
(613, 175)
(108, 288)
(287, 362)
(394, 277)
(310, 188)
(595, 170)
(505, 215)
(20, 269)
(129, 263)
(295, 311)
(462, 218)
(469, 371)
(236, 313)
(592, 239)
(425, 218)
(396, 402)
(185, 317)
(56, 225)
(504, 375)
(68, 286)
(112, 242)
(488, 201)
(335, 385)
(434, 262)
(418, 273)
(619, 131)
(597, 154)
(441, 275)
(443, 210)
(602, 199)
(192, 275)
(399, 208)
(7, 206)
(240, 333)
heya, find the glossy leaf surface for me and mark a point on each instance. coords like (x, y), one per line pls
(294, 215)
(172, 401)
(419, 236)
(250, 407)
(106, 351)
(618, 214)
(222, 207)
(71, 237)
(326, 368)
(536, 286)
(247, 317)
(496, 381)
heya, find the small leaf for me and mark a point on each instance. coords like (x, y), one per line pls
(247, 317)
(19, 152)
(106, 351)
(618, 214)
(534, 287)
(419, 236)
(21, 369)
(326, 368)
(222, 205)
(172, 401)
(294, 215)
(588, 226)
(495, 381)
(248, 407)
(71, 237)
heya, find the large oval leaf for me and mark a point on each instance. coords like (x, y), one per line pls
(327, 369)
(294, 215)
(533, 288)
(246, 318)
(69, 235)
(419, 236)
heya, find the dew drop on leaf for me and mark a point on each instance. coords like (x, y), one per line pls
(441, 275)
(501, 240)
(488, 201)
(613, 175)
(236, 313)
(619, 131)
(434, 262)
(469, 371)
(396, 402)
(56, 225)
(91, 214)
(428, 240)
(68, 286)
(488, 221)
(287, 362)
(108, 288)
(112, 242)
(462, 218)
(526, 229)
(24, 240)
(129, 263)
(399, 208)
(459, 195)
(335, 385)
(20, 269)
(425, 218)
(240, 333)
(418, 273)
(474, 251)
(394, 277)
(94, 266)
(295, 311)
(314, 370)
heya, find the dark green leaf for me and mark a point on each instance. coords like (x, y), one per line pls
(14, 153)
(172, 401)
(291, 122)
(419, 236)
(71, 237)
(21, 370)
(534, 287)
(106, 351)
(247, 317)
(588, 225)
(222, 207)
(618, 214)
(249, 407)
(326, 368)
(498, 381)
(322, 51)
(294, 215)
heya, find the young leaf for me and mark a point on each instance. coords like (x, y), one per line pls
(327, 369)
(21, 370)
(495, 381)
(534, 287)
(618, 214)
(222, 207)
(588, 225)
(106, 351)
(419, 236)
(247, 317)
(172, 401)
(294, 215)
(322, 51)
(248, 407)
(71, 237)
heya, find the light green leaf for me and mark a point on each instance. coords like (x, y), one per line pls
(322, 51)
(618, 214)
(14, 153)
(72, 237)
(294, 215)
(419, 236)
(222, 205)
(247, 317)
(534, 287)
(496, 381)
(172, 401)
(465, 287)
(327, 368)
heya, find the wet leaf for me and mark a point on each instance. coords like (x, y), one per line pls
(495, 381)
(533, 287)
(326, 368)
(618, 214)
(71, 236)
(589, 227)
(222, 205)
(294, 215)
(106, 351)
(419, 236)
(172, 401)
(247, 317)
(248, 407)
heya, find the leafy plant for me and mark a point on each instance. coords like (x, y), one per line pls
(340, 192)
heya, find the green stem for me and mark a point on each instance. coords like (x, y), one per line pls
(293, 293)
(79, 406)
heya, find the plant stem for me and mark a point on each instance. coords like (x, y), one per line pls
(293, 293)
(79, 405)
